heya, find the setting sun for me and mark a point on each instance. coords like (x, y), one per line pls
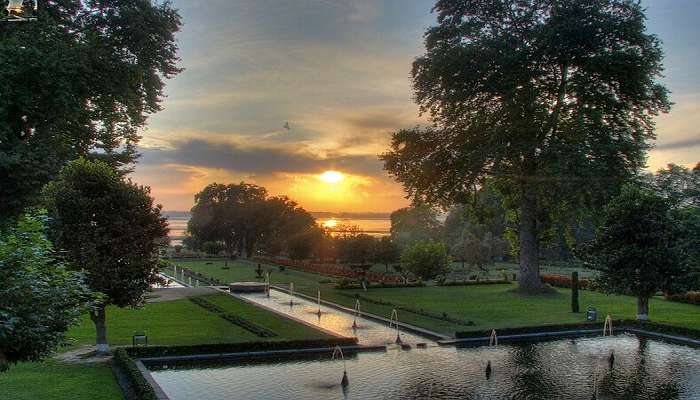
(330, 223)
(331, 177)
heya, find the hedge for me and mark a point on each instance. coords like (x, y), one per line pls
(219, 348)
(475, 283)
(140, 387)
(617, 324)
(689, 298)
(234, 319)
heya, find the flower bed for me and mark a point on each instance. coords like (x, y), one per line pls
(564, 281)
(475, 283)
(689, 298)
(337, 270)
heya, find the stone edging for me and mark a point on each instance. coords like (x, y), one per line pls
(482, 340)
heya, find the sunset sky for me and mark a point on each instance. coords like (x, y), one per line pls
(337, 71)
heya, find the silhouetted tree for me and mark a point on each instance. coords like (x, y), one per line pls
(80, 80)
(108, 227)
(550, 101)
(636, 248)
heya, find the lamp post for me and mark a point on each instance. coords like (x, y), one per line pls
(18, 11)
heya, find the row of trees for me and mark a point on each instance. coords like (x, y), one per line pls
(76, 84)
(243, 219)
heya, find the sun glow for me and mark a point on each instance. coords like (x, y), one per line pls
(331, 177)
(330, 223)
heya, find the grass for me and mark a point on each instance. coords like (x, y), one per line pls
(55, 380)
(488, 306)
(181, 322)
(178, 322)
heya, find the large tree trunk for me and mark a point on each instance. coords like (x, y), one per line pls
(529, 279)
(98, 317)
(643, 308)
(4, 365)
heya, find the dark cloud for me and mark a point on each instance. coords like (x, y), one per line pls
(258, 160)
(680, 144)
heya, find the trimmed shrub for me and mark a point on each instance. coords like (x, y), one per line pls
(219, 348)
(618, 324)
(139, 385)
(234, 319)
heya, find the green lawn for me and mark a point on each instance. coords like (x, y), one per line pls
(56, 380)
(181, 322)
(178, 322)
(488, 306)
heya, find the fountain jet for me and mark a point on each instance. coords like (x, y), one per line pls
(357, 314)
(267, 284)
(608, 326)
(493, 339)
(291, 294)
(344, 382)
(394, 319)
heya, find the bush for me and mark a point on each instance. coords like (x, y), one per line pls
(140, 387)
(426, 259)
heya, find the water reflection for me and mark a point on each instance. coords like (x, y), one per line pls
(560, 369)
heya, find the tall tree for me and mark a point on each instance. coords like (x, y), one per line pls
(636, 248)
(426, 259)
(386, 252)
(414, 223)
(243, 217)
(230, 214)
(81, 79)
(39, 296)
(109, 228)
(679, 184)
(553, 101)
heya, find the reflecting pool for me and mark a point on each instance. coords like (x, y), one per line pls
(367, 332)
(560, 369)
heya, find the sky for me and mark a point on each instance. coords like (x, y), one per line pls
(276, 92)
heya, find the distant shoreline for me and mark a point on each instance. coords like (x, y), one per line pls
(316, 214)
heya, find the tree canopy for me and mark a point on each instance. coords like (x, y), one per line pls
(636, 249)
(243, 216)
(80, 80)
(551, 101)
(40, 297)
(414, 223)
(108, 227)
(426, 259)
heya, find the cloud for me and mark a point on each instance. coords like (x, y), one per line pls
(680, 144)
(257, 160)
